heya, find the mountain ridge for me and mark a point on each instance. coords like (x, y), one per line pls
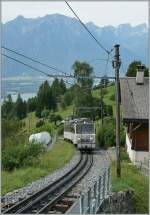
(59, 40)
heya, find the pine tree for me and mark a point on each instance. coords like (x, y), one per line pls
(20, 108)
(45, 99)
(8, 107)
(62, 86)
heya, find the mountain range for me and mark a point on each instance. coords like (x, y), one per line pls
(59, 41)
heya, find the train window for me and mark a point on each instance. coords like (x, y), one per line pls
(69, 127)
(85, 128)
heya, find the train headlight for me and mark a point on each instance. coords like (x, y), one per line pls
(78, 138)
(91, 138)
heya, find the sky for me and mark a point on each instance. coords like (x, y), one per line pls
(101, 13)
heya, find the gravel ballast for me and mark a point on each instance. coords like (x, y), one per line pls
(100, 162)
(19, 194)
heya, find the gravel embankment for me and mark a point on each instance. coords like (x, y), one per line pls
(39, 184)
(100, 161)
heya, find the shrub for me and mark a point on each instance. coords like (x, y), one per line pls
(55, 118)
(99, 136)
(63, 105)
(68, 98)
(60, 130)
(122, 135)
(46, 127)
(9, 127)
(39, 123)
(109, 110)
(104, 91)
(19, 153)
(124, 156)
(105, 135)
(45, 113)
(109, 131)
(112, 97)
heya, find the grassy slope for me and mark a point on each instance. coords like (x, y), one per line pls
(61, 153)
(131, 178)
(65, 112)
(106, 97)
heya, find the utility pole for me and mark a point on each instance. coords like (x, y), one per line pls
(102, 121)
(116, 66)
(102, 102)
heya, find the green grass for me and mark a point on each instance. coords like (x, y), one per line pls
(131, 178)
(106, 97)
(61, 153)
(67, 111)
(30, 122)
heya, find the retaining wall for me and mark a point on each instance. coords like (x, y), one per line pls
(118, 203)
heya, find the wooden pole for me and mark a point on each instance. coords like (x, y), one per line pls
(116, 65)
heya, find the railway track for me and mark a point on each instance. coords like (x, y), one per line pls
(54, 198)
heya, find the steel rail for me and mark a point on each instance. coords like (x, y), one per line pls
(20, 204)
(37, 205)
(46, 209)
(48, 197)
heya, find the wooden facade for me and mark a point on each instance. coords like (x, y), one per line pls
(139, 134)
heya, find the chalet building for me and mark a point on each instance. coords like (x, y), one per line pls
(135, 106)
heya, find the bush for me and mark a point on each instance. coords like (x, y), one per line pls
(39, 123)
(106, 136)
(63, 105)
(122, 135)
(109, 132)
(10, 128)
(19, 153)
(99, 136)
(55, 118)
(124, 156)
(60, 130)
(112, 97)
(46, 127)
(45, 113)
(109, 110)
(104, 91)
(68, 98)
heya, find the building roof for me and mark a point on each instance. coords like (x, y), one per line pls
(134, 99)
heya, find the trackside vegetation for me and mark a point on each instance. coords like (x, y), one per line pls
(23, 162)
(131, 178)
(48, 162)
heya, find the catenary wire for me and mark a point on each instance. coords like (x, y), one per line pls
(36, 61)
(50, 75)
(86, 28)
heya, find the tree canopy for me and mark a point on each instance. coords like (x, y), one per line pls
(132, 69)
(45, 99)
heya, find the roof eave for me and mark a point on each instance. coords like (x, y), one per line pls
(128, 120)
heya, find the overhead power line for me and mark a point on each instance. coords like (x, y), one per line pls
(86, 28)
(31, 67)
(50, 75)
(105, 72)
(36, 61)
(98, 59)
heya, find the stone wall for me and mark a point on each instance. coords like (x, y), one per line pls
(118, 203)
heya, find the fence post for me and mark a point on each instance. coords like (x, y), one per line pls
(82, 203)
(99, 190)
(95, 195)
(108, 180)
(89, 201)
(104, 184)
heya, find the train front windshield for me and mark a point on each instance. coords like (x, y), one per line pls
(87, 128)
